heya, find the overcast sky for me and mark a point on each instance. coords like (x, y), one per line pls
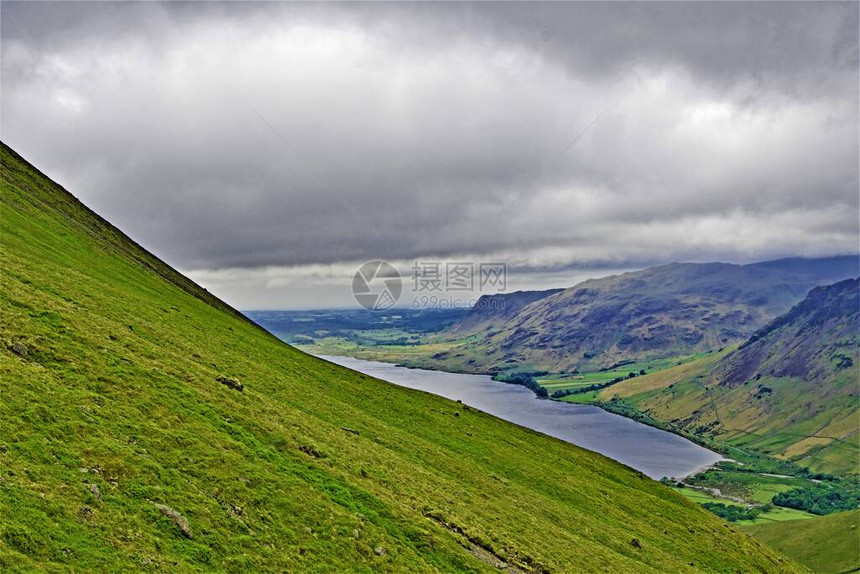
(269, 149)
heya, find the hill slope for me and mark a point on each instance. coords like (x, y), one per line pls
(676, 309)
(491, 310)
(827, 545)
(122, 450)
(791, 390)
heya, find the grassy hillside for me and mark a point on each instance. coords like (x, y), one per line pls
(663, 378)
(789, 391)
(126, 444)
(664, 311)
(827, 545)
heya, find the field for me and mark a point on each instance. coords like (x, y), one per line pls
(563, 382)
(751, 486)
(776, 514)
(584, 398)
(376, 346)
(661, 378)
(827, 545)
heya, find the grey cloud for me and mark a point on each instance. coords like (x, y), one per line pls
(731, 129)
(793, 45)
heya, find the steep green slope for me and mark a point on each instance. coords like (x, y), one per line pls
(121, 450)
(827, 545)
(676, 309)
(791, 390)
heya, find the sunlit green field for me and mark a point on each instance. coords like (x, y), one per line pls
(563, 381)
(585, 398)
(754, 487)
(776, 514)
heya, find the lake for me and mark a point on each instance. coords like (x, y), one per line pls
(655, 452)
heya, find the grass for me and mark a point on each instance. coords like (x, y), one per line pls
(751, 486)
(585, 398)
(556, 382)
(662, 378)
(780, 514)
(701, 496)
(109, 407)
(775, 514)
(374, 346)
(827, 544)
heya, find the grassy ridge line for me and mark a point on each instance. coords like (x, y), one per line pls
(108, 386)
(48, 195)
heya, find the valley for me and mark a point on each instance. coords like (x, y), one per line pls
(430, 287)
(777, 463)
(124, 446)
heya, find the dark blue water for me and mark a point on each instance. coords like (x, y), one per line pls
(655, 452)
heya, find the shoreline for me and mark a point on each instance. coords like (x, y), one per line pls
(702, 468)
(692, 438)
(721, 456)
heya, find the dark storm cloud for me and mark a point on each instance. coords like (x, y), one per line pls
(415, 130)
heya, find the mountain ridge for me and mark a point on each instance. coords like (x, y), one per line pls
(672, 309)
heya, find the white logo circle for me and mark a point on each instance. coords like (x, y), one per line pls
(377, 285)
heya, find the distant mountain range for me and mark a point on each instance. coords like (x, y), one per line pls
(790, 390)
(674, 309)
